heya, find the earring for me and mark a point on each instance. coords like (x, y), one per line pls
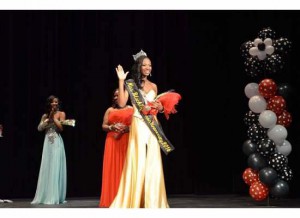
(150, 74)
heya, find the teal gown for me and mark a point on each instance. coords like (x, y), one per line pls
(52, 181)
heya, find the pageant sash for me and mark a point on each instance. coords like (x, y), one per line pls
(138, 100)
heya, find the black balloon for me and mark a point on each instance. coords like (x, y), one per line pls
(284, 90)
(278, 161)
(282, 46)
(268, 176)
(286, 174)
(251, 118)
(266, 33)
(280, 189)
(254, 67)
(245, 49)
(249, 147)
(274, 64)
(256, 161)
(266, 147)
(256, 132)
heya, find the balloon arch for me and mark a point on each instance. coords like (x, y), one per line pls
(268, 118)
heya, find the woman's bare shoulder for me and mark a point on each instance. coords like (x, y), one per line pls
(61, 113)
(154, 87)
(108, 110)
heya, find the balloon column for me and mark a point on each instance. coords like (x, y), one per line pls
(268, 118)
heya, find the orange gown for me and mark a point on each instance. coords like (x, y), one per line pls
(114, 156)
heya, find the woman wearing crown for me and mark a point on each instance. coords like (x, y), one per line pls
(142, 182)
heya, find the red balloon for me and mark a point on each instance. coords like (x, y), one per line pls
(258, 191)
(276, 104)
(250, 176)
(267, 88)
(284, 119)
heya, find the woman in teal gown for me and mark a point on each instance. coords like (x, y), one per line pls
(52, 180)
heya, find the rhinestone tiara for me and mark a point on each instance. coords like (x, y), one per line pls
(139, 54)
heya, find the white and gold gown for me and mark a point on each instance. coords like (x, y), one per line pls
(142, 182)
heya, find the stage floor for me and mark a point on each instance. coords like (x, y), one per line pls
(178, 201)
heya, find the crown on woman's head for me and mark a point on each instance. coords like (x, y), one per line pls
(139, 54)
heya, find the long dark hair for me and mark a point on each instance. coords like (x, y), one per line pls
(135, 72)
(49, 101)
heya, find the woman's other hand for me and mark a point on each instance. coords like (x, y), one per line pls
(158, 105)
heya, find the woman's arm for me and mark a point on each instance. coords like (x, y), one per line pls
(105, 125)
(57, 120)
(123, 94)
(116, 127)
(43, 123)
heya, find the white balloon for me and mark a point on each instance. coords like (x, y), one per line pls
(261, 55)
(278, 134)
(257, 41)
(253, 51)
(257, 104)
(269, 50)
(267, 119)
(285, 148)
(268, 41)
(251, 89)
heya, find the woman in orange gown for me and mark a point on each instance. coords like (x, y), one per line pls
(116, 122)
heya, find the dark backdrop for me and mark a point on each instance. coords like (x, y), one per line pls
(73, 54)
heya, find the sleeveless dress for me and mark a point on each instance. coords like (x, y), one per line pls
(114, 156)
(142, 182)
(52, 181)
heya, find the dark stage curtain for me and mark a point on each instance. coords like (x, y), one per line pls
(73, 54)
